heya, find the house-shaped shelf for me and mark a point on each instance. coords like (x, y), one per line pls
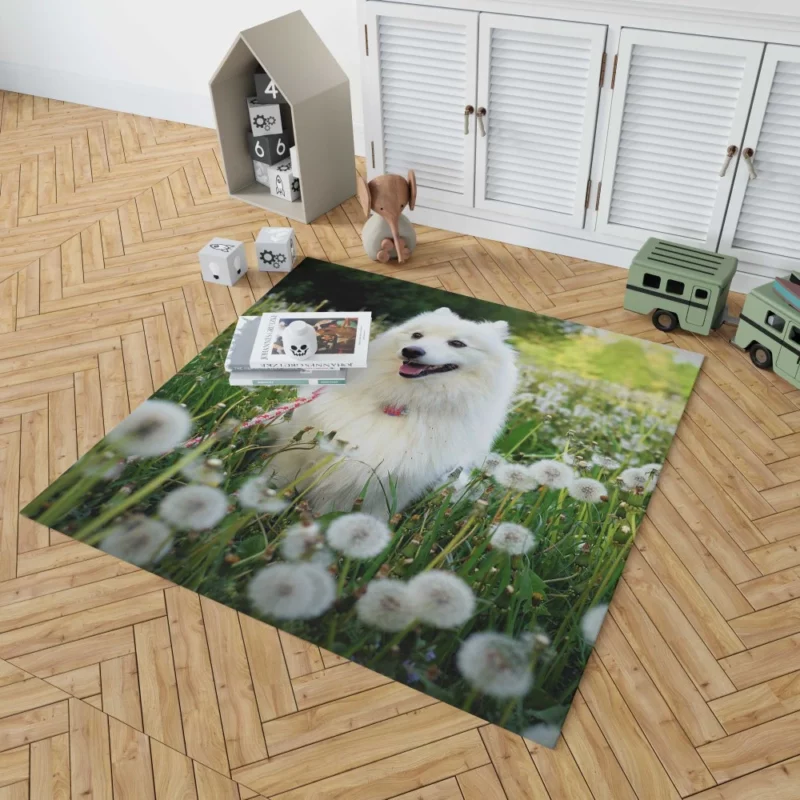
(289, 50)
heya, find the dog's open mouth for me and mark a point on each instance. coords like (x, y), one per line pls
(410, 369)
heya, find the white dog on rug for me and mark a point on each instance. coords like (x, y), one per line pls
(434, 398)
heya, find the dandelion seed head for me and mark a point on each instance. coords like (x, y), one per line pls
(543, 734)
(606, 462)
(387, 605)
(587, 490)
(495, 664)
(633, 479)
(515, 476)
(292, 591)
(257, 494)
(194, 507)
(209, 473)
(358, 535)
(154, 428)
(512, 538)
(138, 540)
(552, 474)
(492, 462)
(442, 599)
(300, 541)
(592, 621)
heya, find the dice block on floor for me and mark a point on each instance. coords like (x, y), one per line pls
(272, 148)
(268, 117)
(223, 261)
(275, 249)
(282, 183)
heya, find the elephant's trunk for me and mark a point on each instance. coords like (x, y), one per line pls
(396, 238)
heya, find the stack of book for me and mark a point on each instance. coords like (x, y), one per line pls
(298, 348)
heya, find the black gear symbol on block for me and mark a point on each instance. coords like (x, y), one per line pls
(272, 259)
(296, 185)
(260, 121)
(271, 122)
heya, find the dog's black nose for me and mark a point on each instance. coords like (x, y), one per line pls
(412, 352)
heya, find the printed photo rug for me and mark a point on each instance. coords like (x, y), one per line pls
(455, 517)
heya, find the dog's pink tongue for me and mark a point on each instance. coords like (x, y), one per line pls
(411, 369)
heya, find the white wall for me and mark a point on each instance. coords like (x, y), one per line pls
(151, 57)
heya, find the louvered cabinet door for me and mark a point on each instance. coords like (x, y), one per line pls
(763, 220)
(679, 103)
(420, 79)
(539, 83)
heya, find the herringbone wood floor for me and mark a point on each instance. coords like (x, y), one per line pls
(114, 684)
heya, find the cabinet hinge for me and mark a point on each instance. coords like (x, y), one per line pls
(603, 68)
(372, 148)
(614, 71)
(366, 39)
(588, 192)
(597, 201)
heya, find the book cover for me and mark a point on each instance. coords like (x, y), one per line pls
(311, 340)
(237, 363)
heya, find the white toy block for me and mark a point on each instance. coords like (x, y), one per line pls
(282, 183)
(275, 249)
(268, 117)
(295, 161)
(299, 339)
(262, 173)
(223, 261)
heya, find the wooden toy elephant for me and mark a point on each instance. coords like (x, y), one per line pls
(387, 233)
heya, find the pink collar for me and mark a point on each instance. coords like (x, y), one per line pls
(395, 411)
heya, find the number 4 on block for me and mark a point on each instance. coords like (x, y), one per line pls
(267, 90)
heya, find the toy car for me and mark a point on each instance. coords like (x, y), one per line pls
(686, 287)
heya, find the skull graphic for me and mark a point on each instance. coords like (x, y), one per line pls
(299, 339)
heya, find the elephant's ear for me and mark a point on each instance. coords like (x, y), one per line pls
(412, 189)
(362, 190)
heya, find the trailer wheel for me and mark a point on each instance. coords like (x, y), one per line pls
(665, 320)
(760, 356)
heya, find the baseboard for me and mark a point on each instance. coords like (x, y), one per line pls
(131, 98)
(744, 281)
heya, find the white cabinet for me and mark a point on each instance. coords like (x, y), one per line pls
(420, 80)
(679, 103)
(763, 220)
(538, 88)
(589, 134)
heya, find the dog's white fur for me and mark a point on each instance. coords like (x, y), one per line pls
(451, 419)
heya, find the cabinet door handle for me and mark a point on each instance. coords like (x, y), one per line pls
(747, 155)
(481, 114)
(467, 111)
(732, 151)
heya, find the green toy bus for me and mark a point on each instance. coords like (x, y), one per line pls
(685, 287)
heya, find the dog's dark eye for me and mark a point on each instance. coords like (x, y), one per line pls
(456, 343)
(416, 335)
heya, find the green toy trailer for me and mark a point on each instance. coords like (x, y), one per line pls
(769, 329)
(685, 287)
(680, 286)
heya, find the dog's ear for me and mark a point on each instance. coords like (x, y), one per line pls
(445, 311)
(500, 327)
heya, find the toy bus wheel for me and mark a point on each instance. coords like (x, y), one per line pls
(665, 320)
(760, 356)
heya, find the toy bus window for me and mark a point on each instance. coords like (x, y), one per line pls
(675, 287)
(794, 336)
(701, 294)
(776, 322)
(651, 281)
